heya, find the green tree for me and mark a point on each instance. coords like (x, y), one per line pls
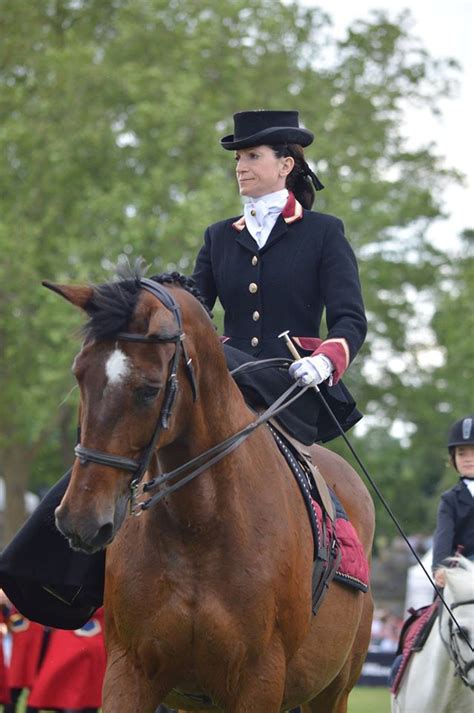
(435, 391)
(109, 142)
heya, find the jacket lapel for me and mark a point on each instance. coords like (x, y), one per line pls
(280, 229)
(464, 494)
(244, 238)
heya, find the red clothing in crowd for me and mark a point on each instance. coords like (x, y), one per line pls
(4, 687)
(27, 641)
(73, 669)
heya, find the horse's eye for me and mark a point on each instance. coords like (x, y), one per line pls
(148, 392)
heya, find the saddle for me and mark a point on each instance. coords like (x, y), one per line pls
(413, 636)
(338, 553)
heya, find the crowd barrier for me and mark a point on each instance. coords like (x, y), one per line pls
(376, 669)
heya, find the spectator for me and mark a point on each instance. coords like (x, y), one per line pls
(27, 640)
(71, 676)
(455, 521)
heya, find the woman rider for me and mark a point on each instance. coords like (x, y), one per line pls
(276, 268)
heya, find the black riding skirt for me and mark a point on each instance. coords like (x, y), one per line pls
(307, 418)
(44, 578)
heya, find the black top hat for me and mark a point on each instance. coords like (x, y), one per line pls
(253, 128)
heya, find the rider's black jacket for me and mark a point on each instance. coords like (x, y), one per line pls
(455, 524)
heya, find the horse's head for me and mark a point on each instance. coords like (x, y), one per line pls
(136, 393)
(459, 594)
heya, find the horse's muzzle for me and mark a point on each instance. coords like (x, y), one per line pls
(87, 534)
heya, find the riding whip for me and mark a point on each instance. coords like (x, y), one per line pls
(296, 355)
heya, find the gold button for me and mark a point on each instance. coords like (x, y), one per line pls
(253, 212)
(256, 316)
(253, 288)
(254, 260)
(254, 341)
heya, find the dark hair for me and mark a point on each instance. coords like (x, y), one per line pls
(302, 181)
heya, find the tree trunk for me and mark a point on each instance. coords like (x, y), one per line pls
(16, 467)
(67, 415)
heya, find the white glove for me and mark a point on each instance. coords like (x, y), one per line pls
(312, 369)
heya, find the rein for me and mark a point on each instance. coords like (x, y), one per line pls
(212, 455)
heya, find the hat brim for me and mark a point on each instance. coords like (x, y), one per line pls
(274, 135)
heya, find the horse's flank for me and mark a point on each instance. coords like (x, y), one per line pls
(210, 591)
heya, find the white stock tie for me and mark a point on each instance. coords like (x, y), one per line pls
(261, 215)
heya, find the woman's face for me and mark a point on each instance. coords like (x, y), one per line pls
(259, 171)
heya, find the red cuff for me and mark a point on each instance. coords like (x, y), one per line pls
(337, 351)
(309, 344)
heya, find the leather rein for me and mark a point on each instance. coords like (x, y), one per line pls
(206, 459)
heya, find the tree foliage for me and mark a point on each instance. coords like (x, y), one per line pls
(112, 112)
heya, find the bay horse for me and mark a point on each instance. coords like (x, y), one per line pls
(208, 592)
(440, 677)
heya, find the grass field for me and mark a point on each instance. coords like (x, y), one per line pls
(369, 700)
(362, 700)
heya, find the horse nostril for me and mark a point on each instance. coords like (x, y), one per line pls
(104, 535)
(84, 535)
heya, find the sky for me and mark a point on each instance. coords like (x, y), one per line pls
(446, 29)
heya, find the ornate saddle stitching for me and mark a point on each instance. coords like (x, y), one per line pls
(327, 553)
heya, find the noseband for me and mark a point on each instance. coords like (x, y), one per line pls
(138, 468)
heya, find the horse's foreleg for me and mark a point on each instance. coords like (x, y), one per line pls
(258, 697)
(261, 686)
(334, 698)
(127, 689)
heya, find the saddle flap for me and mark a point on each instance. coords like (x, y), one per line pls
(304, 458)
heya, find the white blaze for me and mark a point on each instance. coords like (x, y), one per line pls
(117, 366)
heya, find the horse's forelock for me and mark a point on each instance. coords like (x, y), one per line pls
(110, 308)
(112, 304)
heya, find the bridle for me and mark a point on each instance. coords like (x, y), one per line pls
(203, 461)
(138, 468)
(461, 666)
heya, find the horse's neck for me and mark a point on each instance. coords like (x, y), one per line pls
(214, 417)
(212, 421)
(427, 687)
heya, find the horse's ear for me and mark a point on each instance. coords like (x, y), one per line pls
(79, 295)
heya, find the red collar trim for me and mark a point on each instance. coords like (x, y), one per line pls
(239, 224)
(292, 212)
(289, 209)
